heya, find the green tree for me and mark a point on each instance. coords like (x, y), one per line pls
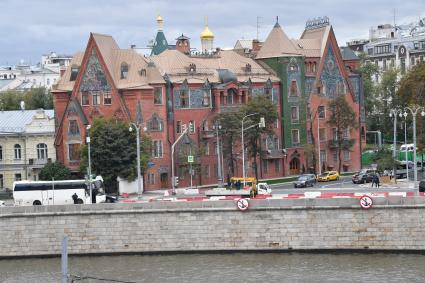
(38, 98)
(342, 118)
(384, 159)
(34, 98)
(230, 134)
(265, 108)
(10, 100)
(113, 152)
(55, 170)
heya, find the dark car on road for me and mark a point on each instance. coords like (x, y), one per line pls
(305, 180)
(361, 178)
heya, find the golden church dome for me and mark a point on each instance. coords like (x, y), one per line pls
(206, 33)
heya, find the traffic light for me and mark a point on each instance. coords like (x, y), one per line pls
(262, 123)
(176, 181)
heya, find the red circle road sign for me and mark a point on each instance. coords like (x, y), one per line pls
(242, 204)
(366, 202)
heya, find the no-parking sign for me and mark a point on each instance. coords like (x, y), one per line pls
(242, 204)
(366, 202)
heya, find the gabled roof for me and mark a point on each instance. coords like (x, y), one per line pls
(320, 34)
(16, 121)
(114, 57)
(277, 44)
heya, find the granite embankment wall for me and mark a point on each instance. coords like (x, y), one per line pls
(300, 224)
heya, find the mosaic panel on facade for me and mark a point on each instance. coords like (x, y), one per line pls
(294, 74)
(94, 78)
(198, 98)
(331, 76)
(355, 83)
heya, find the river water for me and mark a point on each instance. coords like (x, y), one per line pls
(229, 267)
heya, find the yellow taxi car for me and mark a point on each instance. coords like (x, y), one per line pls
(328, 176)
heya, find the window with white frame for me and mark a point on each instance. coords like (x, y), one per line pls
(294, 114)
(42, 151)
(322, 155)
(178, 127)
(151, 178)
(96, 98)
(18, 177)
(335, 155)
(157, 149)
(346, 133)
(157, 98)
(346, 155)
(17, 151)
(107, 98)
(321, 112)
(295, 134)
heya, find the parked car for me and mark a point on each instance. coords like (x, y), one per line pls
(422, 186)
(305, 180)
(361, 178)
(328, 176)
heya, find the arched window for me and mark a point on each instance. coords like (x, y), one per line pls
(231, 96)
(17, 151)
(293, 91)
(42, 151)
(155, 124)
(124, 70)
(314, 67)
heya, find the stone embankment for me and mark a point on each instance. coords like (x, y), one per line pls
(394, 223)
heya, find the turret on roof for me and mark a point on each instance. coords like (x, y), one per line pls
(277, 44)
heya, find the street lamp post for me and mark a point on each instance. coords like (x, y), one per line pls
(139, 179)
(217, 127)
(139, 122)
(261, 125)
(89, 169)
(414, 110)
(173, 146)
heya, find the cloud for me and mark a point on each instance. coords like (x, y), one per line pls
(32, 28)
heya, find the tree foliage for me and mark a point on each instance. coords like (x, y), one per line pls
(34, 98)
(231, 129)
(113, 152)
(55, 170)
(264, 106)
(384, 159)
(342, 118)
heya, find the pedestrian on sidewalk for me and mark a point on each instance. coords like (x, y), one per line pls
(373, 180)
(377, 180)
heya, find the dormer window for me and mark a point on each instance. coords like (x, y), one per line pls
(248, 68)
(74, 73)
(192, 68)
(124, 71)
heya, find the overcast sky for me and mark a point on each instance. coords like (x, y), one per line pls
(30, 28)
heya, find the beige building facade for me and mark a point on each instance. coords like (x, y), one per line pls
(26, 144)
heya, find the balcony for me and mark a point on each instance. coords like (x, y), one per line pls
(346, 143)
(207, 134)
(35, 162)
(229, 108)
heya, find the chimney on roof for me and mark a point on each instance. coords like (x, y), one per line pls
(256, 45)
(183, 44)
